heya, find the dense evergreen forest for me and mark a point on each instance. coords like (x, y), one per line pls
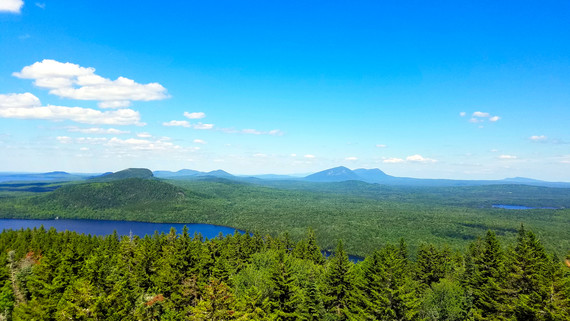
(46, 275)
(366, 216)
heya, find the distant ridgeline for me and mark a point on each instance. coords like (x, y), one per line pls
(336, 174)
(46, 275)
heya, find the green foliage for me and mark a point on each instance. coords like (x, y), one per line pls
(365, 216)
(46, 275)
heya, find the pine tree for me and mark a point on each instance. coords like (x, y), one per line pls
(487, 280)
(313, 303)
(284, 298)
(340, 290)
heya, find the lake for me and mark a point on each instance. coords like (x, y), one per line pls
(101, 228)
(96, 227)
(521, 207)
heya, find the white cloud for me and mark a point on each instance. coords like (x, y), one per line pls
(41, 5)
(28, 106)
(68, 80)
(351, 158)
(309, 156)
(462, 114)
(13, 6)
(420, 159)
(144, 135)
(97, 130)
(84, 149)
(260, 155)
(91, 140)
(293, 155)
(25, 100)
(203, 126)
(507, 157)
(198, 115)
(141, 144)
(481, 114)
(64, 139)
(251, 131)
(393, 160)
(537, 138)
(199, 141)
(380, 145)
(480, 117)
(176, 123)
(275, 132)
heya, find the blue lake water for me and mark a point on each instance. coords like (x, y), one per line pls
(521, 207)
(100, 228)
(96, 227)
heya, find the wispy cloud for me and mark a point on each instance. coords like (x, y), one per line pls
(480, 117)
(40, 5)
(142, 144)
(381, 146)
(538, 138)
(176, 123)
(12, 6)
(28, 106)
(202, 126)
(68, 80)
(144, 135)
(410, 159)
(199, 141)
(97, 130)
(507, 157)
(251, 131)
(351, 158)
(198, 115)
(480, 114)
(309, 156)
(420, 159)
(393, 160)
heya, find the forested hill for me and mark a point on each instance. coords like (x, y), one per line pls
(130, 193)
(45, 275)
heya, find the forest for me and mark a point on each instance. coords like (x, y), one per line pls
(50, 275)
(365, 216)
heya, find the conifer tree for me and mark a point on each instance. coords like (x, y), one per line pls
(340, 289)
(487, 280)
(284, 298)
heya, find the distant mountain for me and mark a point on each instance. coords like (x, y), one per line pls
(126, 173)
(169, 174)
(337, 174)
(218, 173)
(191, 174)
(375, 175)
(372, 175)
(536, 182)
(51, 177)
(274, 177)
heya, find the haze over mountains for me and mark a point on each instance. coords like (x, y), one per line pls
(336, 174)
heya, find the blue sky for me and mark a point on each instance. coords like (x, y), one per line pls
(472, 90)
